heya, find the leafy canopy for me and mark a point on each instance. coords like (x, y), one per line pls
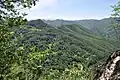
(10, 16)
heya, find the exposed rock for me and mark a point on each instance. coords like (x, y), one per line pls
(111, 69)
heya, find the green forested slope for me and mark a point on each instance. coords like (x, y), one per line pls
(66, 52)
(62, 50)
(99, 27)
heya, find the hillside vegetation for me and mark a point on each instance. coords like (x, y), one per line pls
(99, 27)
(62, 53)
(53, 50)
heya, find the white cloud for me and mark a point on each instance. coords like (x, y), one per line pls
(44, 3)
(39, 11)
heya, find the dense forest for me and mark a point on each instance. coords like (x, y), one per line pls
(53, 50)
(99, 27)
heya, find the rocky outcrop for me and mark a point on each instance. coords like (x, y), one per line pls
(111, 69)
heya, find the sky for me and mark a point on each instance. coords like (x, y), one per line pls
(71, 9)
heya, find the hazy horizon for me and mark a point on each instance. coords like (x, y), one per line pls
(71, 9)
(69, 19)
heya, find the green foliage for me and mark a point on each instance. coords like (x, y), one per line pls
(99, 27)
(116, 10)
(46, 53)
(10, 17)
(115, 27)
(68, 52)
(42, 52)
(14, 7)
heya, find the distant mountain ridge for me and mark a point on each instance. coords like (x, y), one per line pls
(100, 27)
(63, 50)
(37, 23)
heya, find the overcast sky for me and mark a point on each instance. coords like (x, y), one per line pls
(71, 9)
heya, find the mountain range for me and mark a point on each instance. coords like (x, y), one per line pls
(99, 27)
(49, 50)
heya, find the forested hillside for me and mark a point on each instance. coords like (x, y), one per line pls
(68, 52)
(52, 50)
(99, 27)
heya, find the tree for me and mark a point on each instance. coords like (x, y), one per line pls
(10, 9)
(116, 20)
(10, 16)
